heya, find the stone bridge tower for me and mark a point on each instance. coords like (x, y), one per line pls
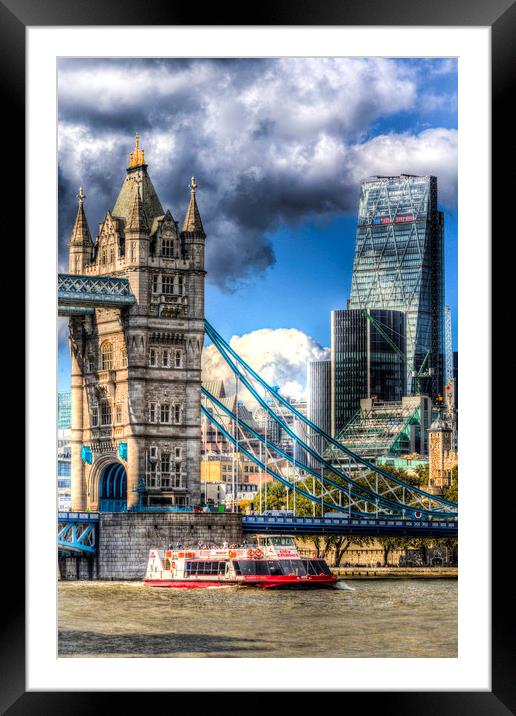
(136, 371)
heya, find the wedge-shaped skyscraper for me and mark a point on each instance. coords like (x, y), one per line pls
(399, 266)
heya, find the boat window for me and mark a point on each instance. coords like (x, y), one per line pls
(200, 567)
(166, 564)
(323, 567)
(274, 568)
(292, 566)
(251, 567)
(282, 541)
(316, 566)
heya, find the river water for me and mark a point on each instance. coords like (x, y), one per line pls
(374, 618)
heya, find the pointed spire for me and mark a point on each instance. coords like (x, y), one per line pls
(137, 218)
(81, 232)
(137, 158)
(192, 220)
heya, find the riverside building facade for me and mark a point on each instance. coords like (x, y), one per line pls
(136, 371)
(399, 266)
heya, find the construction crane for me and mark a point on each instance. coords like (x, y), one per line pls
(416, 375)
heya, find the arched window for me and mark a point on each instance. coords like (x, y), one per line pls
(106, 356)
(124, 357)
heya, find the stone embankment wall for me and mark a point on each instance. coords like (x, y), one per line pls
(125, 538)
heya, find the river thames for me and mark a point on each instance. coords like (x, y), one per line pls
(363, 618)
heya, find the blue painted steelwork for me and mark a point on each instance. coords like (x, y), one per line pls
(265, 468)
(77, 532)
(86, 454)
(226, 351)
(75, 311)
(160, 508)
(122, 451)
(113, 488)
(322, 478)
(93, 291)
(341, 525)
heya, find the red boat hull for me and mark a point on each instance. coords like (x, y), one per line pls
(289, 581)
(186, 584)
(265, 582)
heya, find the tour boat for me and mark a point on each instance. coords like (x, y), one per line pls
(273, 562)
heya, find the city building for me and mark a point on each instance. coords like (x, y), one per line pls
(64, 470)
(409, 463)
(223, 468)
(214, 442)
(399, 266)
(442, 456)
(136, 371)
(382, 429)
(274, 433)
(367, 349)
(64, 410)
(217, 493)
(318, 405)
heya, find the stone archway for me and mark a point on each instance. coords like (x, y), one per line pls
(112, 488)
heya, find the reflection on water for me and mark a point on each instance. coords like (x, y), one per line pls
(398, 618)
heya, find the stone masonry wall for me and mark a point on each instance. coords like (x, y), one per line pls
(125, 539)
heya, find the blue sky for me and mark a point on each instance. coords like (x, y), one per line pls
(278, 148)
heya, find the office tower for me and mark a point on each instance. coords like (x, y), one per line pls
(319, 400)
(399, 266)
(64, 411)
(366, 360)
(448, 350)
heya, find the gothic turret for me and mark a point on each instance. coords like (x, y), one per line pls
(137, 221)
(137, 231)
(193, 231)
(192, 222)
(137, 176)
(81, 245)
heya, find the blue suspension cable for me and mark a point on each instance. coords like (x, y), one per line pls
(288, 457)
(224, 347)
(275, 475)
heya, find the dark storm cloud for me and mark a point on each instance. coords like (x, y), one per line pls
(270, 142)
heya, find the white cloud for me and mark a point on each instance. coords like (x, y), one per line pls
(271, 142)
(433, 151)
(278, 355)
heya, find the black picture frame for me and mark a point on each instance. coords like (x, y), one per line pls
(500, 16)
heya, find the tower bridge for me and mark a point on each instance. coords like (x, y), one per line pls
(135, 302)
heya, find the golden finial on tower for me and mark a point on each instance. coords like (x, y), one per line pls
(137, 158)
(81, 196)
(193, 185)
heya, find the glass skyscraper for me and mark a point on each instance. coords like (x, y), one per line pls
(366, 349)
(399, 266)
(319, 402)
(64, 410)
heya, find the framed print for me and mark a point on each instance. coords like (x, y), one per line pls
(226, 165)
